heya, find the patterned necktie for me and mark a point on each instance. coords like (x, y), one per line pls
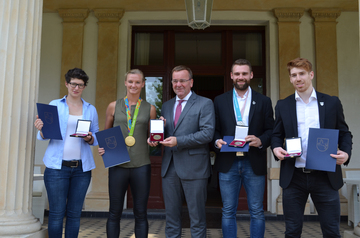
(178, 112)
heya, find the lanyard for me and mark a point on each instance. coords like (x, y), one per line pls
(131, 123)
(237, 108)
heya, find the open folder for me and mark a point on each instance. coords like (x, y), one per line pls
(113, 142)
(227, 148)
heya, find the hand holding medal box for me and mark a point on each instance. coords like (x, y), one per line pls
(240, 133)
(156, 130)
(293, 147)
(82, 128)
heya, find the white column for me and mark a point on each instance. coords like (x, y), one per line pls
(20, 27)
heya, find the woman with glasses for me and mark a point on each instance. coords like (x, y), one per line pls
(133, 115)
(69, 161)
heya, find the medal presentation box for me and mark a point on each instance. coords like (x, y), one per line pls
(240, 133)
(156, 130)
(82, 128)
(293, 147)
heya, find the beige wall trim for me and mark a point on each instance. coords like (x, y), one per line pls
(106, 92)
(72, 43)
(326, 50)
(109, 15)
(289, 44)
(73, 15)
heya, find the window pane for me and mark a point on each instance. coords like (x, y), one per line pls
(149, 49)
(198, 48)
(154, 91)
(257, 85)
(248, 46)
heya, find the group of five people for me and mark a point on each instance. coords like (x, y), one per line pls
(191, 123)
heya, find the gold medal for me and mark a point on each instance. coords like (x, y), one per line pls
(157, 137)
(130, 141)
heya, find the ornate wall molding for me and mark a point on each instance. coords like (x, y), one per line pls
(288, 14)
(73, 15)
(325, 14)
(109, 15)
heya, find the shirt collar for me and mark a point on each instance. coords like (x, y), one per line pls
(84, 102)
(248, 93)
(186, 98)
(313, 96)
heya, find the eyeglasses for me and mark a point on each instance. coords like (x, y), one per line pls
(175, 81)
(80, 85)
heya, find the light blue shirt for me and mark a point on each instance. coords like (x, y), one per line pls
(55, 150)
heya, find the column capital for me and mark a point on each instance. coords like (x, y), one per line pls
(109, 15)
(288, 14)
(73, 15)
(325, 14)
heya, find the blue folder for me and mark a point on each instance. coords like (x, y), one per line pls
(322, 143)
(227, 148)
(113, 142)
(50, 117)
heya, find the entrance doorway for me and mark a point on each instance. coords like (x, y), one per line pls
(209, 53)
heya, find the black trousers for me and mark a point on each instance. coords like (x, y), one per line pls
(325, 198)
(139, 181)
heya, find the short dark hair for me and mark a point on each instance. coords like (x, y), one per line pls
(76, 73)
(299, 63)
(241, 62)
(181, 68)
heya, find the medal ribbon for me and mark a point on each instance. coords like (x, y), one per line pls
(236, 105)
(131, 123)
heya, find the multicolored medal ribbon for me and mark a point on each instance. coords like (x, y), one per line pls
(130, 140)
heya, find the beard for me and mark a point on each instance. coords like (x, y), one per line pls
(241, 87)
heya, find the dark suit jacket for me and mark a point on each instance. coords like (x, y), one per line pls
(261, 123)
(194, 130)
(331, 117)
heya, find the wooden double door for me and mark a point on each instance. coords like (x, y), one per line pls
(210, 54)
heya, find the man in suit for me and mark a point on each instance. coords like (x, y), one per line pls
(294, 116)
(185, 169)
(246, 107)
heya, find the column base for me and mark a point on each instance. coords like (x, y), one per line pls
(97, 201)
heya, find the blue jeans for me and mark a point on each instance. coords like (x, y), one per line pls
(325, 198)
(240, 174)
(66, 189)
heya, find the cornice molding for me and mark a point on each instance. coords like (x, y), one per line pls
(73, 15)
(288, 14)
(325, 14)
(109, 15)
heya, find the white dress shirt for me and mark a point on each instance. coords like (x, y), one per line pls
(241, 102)
(307, 117)
(182, 104)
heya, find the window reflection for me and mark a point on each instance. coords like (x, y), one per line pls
(154, 91)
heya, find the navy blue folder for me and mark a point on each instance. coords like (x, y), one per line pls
(113, 142)
(50, 117)
(227, 148)
(322, 143)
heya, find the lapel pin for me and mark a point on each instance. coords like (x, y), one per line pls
(322, 103)
(254, 102)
